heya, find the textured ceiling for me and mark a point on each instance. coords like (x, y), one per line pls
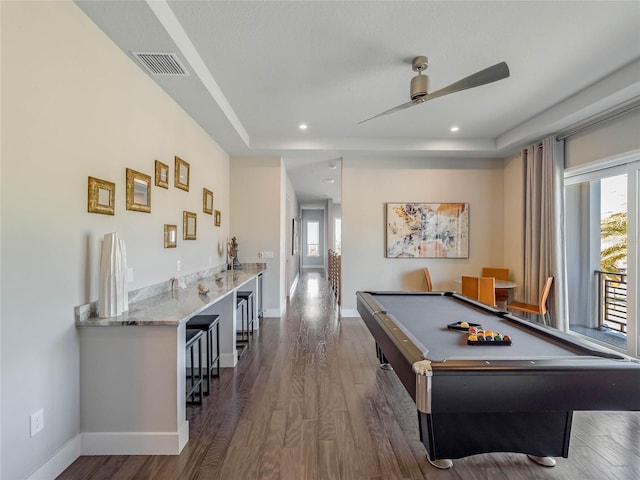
(259, 69)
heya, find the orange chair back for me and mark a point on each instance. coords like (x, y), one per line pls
(487, 290)
(482, 289)
(545, 295)
(427, 277)
(497, 273)
(470, 287)
(502, 294)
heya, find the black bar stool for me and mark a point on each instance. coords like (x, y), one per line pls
(241, 312)
(251, 314)
(209, 325)
(194, 374)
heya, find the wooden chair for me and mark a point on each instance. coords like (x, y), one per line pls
(480, 288)
(427, 277)
(502, 294)
(540, 309)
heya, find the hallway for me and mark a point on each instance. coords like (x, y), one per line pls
(308, 401)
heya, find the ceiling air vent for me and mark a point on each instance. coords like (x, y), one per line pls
(161, 63)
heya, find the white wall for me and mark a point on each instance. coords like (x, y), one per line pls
(73, 106)
(513, 213)
(368, 184)
(292, 260)
(256, 190)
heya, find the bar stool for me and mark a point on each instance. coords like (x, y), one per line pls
(241, 311)
(209, 325)
(251, 314)
(194, 375)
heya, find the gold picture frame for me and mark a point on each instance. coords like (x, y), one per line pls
(170, 236)
(138, 191)
(181, 174)
(101, 196)
(189, 225)
(216, 218)
(207, 201)
(162, 174)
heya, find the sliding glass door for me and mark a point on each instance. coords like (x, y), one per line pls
(602, 253)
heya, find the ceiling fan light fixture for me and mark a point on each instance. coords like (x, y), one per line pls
(420, 84)
(419, 87)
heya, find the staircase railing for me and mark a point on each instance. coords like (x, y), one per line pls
(334, 274)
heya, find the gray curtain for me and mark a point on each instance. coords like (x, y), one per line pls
(544, 240)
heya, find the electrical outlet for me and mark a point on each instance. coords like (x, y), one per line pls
(129, 275)
(267, 254)
(178, 266)
(36, 422)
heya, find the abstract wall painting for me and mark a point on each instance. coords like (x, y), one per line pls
(427, 230)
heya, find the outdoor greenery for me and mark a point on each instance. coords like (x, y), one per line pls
(613, 256)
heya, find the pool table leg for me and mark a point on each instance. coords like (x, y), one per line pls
(443, 464)
(544, 461)
(384, 363)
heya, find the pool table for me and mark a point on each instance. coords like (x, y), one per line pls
(493, 398)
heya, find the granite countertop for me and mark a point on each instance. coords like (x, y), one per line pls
(171, 308)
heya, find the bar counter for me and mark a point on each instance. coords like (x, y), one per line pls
(176, 306)
(132, 367)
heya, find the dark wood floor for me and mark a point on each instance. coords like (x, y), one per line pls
(308, 401)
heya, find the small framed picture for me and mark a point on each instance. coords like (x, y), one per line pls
(189, 220)
(138, 191)
(170, 236)
(101, 197)
(207, 201)
(181, 180)
(216, 218)
(162, 174)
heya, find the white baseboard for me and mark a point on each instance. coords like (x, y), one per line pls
(273, 313)
(228, 360)
(136, 443)
(349, 313)
(59, 462)
(112, 444)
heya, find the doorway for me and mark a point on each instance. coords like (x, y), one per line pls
(313, 238)
(602, 254)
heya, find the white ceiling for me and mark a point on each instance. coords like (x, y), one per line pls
(260, 68)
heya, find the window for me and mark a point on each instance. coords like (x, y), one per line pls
(313, 239)
(602, 265)
(338, 235)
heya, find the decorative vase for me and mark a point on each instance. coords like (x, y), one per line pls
(113, 295)
(123, 288)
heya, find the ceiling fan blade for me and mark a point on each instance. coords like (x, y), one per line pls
(491, 74)
(391, 110)
(483, 77)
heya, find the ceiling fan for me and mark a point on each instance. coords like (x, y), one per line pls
(420, 84)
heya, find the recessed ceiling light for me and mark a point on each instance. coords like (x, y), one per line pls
(332, 166)
(454, 129)
(328, 180)
(303, 126)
